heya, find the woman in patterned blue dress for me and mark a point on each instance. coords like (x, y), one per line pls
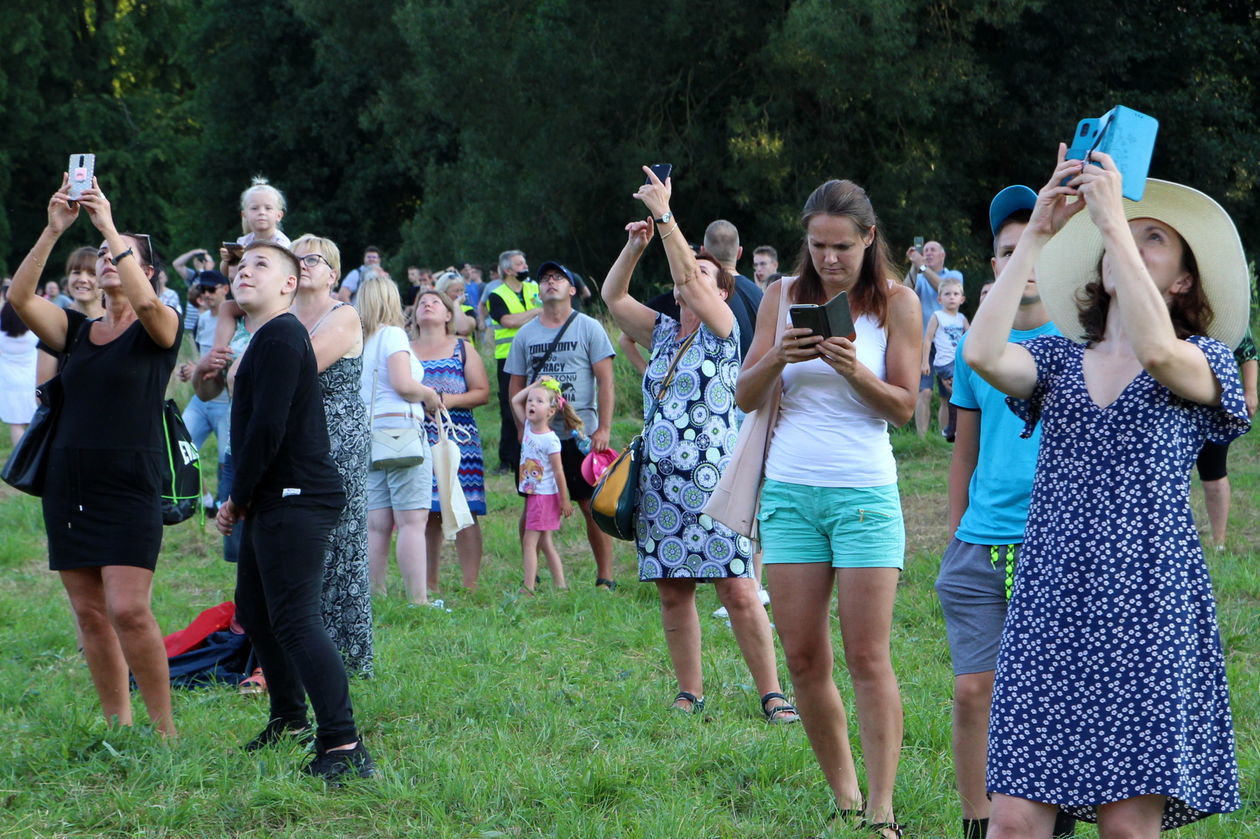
(337, 337)
(455, 370)
(688, 442)
(1110, 698)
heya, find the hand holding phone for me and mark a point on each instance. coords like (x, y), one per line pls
(661, 170)
(231, 252)
(80, 169)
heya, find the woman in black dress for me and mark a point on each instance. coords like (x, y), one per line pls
(289, 494)
(102, 506)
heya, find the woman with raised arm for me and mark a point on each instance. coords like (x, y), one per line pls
(830, 514)
(688, 441)
(337, 336)
(101, 501)
(1110, 699)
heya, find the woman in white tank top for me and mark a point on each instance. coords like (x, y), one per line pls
(830, 516)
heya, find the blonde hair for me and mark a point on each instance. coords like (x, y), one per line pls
(950, 282)
(446, 301)
(567, 415)
(326, 248)
(261, 184)
(447, 279)
(378, 303)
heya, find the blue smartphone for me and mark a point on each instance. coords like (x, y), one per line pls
(1125, 134)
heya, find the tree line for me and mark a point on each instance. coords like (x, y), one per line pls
(443, 130)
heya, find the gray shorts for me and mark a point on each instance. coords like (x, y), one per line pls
(971, 586)
(409, 488)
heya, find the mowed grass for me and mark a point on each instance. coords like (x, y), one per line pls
(510, 717)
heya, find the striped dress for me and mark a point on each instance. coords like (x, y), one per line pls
(446, 375)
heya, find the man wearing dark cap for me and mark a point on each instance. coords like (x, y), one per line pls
(990, 482)
(573, 349)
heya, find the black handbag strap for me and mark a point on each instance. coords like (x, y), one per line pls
(669, 374)
(535, 367)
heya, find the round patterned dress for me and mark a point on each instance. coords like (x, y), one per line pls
(347, 595)
(688, 442)
(1110, 677)
(446, 375)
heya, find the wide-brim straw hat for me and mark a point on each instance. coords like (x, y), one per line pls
(1070, 260)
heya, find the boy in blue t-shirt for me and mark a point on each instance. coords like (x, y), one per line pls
(990, 481)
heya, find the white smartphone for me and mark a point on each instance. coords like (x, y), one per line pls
(81, 169)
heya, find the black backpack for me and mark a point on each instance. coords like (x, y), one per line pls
(181, 485)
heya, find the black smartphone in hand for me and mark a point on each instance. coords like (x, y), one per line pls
(661, 170)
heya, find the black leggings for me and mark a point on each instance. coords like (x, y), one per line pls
(278, 582)
(1212, 459)
(509, 445)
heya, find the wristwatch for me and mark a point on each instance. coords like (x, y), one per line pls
(666, 218)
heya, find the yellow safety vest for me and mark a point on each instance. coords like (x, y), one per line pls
(502, 335)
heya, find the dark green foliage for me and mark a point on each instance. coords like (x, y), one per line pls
(443, 130)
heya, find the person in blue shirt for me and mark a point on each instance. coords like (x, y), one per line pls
(927, 270)
(990, 481)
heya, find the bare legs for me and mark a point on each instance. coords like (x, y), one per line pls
(973, 694)
(119, 634)
(802, 595)
(1133, 818)
(468, 548)
(16, 430)
(531, 542)
(748, 621)
(410, 553)
(1216, 496)
(802, 608)
(601, 543)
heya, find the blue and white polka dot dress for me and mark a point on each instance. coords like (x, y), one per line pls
(1110, 679)
(688, 443)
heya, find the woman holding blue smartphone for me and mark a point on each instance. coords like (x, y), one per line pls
(1110, 699)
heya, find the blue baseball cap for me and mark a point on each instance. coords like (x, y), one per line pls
(1008, 202)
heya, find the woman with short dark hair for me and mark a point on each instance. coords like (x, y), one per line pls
(101, 500)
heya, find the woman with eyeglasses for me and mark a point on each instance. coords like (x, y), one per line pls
(337, 336)
(101, 500)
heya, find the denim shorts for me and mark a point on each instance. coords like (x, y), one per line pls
(408, 488)
(848, 527)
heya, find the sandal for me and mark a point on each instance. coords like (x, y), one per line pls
(697, 702)
(780, 714)
(607, 585)
(880, 827)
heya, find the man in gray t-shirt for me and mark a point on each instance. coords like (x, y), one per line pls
(582, 363)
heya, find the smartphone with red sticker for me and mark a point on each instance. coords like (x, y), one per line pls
(81, 169)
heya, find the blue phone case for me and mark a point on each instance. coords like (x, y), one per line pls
(1125, 134)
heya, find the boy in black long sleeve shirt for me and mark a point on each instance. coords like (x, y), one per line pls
(289, 495)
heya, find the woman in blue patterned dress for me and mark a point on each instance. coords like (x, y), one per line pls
(1110, 698)
(455, 370)
(337, 337)
(688, 442)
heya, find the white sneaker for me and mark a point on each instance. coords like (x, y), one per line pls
(764, 595)
(721, 613)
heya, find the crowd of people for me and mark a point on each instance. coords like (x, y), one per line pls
(1110, 353)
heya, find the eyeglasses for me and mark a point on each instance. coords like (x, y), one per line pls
(552, 277)
(312, 260)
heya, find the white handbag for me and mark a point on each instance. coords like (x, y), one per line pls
(394, 448)
(445, 453)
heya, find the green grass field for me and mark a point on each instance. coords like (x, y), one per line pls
(510, 717)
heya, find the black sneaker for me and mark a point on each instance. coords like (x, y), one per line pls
(282, 731)
(335, 767)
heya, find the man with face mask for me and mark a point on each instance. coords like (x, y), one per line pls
(510, 305)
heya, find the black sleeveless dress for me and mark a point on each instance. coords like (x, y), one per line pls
(102, 494)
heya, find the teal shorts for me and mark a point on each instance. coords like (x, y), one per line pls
(850, 527)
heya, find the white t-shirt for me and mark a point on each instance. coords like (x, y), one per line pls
(949, 331)
(536, 475)
(377, 350)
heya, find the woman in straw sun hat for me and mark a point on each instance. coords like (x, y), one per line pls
(1110, 698)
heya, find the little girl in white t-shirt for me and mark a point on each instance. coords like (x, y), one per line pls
(542, 479)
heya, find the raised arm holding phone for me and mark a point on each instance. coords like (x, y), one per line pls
(101, 499)
(1110, 698)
